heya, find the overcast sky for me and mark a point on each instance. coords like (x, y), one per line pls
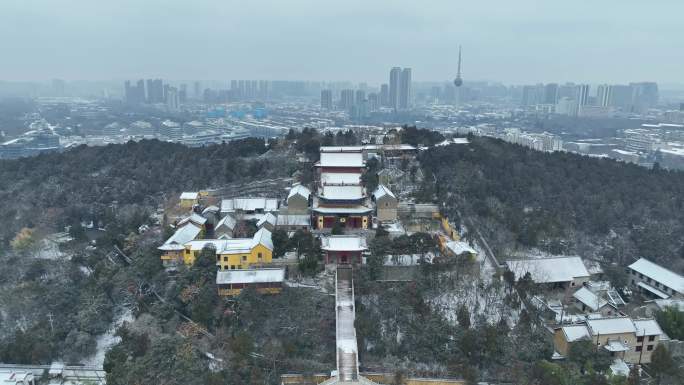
(359, 40)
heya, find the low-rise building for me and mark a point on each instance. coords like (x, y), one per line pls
(248, 208)
(654, 280)
(460, 249)
(189, 199)
(293, 222)
(630, 340)
(343, 249)
(298, 200)
(268, 222)
(557, 271)
(225, 227)
(385, 204)
(172, 249)
(234, 253)
(265, 281)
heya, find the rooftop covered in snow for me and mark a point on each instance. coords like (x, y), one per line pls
(659, 274)
(549, 270)
(343, 243)
(250, 276)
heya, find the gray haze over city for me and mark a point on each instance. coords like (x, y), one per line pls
(271, 192)
(513, 42)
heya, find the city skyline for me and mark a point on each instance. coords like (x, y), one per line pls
(531, 43)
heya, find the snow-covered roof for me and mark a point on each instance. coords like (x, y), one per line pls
(227, 221)
(549, 270)
(342, 210)
(616, 346)
(194, 218)
(590, 299)
(217, 244)
(270, 218)
(676, 303)
(293, 220)
(249, 204)
(234, 245)
(653, 290)
(189, 195)
(458, 247)
(267, 275)
(341, 159)
(615, 325)
(182, 236)
(659, 274)
(340, 178)
(210, 209)
(299, 190)
(575, 332)
(382, 191)
(647, 327)
(263, 237)
(352, 192)
(342, 148)
(343, 243)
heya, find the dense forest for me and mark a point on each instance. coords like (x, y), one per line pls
(560, 202)
(55, 304)
(82, 183)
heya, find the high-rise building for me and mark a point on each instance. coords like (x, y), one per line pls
(405, 89)
(198, 92)
(581, 96)
(183, 94)
(395, 74)
(155, 91)
(532, 95)
(326, 99)
(373, 102)
(384, 95)
(621, 96)
(604, 95)
(346, 99)
(644, 95)
(360, 96)
(551, 93)
(172, 99)
(567, 90)
(135, 94)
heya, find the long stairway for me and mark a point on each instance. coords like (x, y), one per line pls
(347, 351)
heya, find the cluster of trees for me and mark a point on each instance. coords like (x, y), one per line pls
(252, 339)
(82, 183)
(382, 245)
(55, 308)
(420, 136)
(560, 202)
(671, 319)
(309, 140)
(417, 336)
(307, 246)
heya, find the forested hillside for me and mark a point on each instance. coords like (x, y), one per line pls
(79, 184)
(560, 202)
(52, 307)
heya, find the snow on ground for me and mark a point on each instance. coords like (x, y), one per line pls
(107, 340)
(49, 247)
(478, 290)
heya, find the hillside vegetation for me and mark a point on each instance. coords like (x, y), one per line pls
(560, 202)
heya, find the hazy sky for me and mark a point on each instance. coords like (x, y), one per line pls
(512, 41)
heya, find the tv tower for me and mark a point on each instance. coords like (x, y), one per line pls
(458, 81)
